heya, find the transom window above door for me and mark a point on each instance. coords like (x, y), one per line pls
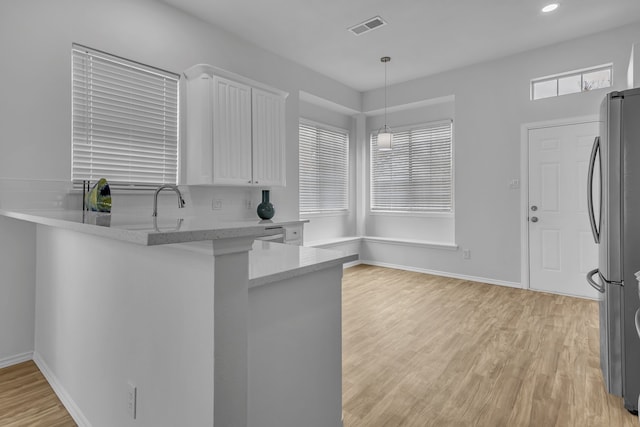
(572, 82)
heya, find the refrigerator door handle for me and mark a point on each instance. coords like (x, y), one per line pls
(597, 286)
(592, 163)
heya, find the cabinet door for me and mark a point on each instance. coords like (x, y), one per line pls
(231, 132)
(199, 134)
(268, 138)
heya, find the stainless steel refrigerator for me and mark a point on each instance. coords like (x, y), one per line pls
(614, 211)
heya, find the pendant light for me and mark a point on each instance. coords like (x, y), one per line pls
(385, 137)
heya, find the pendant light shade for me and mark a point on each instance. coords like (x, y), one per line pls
(385, 139)
(385, 136)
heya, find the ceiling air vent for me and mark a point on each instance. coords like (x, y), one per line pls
(368, 25)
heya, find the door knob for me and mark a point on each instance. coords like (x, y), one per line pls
(534, 219)
(534, 208)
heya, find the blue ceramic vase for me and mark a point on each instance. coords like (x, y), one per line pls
(265, 209)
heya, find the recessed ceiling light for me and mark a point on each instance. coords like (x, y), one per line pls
(550, 7)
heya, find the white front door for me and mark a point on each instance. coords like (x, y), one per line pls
(561, 248)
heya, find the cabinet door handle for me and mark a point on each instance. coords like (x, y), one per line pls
(248, 182)
(256, 182)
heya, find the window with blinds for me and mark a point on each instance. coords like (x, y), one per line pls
(416, 175)
(324, 168)
(125, 121)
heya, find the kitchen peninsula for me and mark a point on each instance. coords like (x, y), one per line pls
(136, 324)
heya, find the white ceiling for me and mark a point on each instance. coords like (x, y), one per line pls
(423, 37)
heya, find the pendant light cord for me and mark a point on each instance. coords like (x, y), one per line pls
(385, 96)
(385, 59)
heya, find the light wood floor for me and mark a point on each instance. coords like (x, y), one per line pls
(421, 350)
(26, 399)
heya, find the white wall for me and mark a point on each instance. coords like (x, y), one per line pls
(491, 104)
(17, 290)
(633, 71)
(120, 313)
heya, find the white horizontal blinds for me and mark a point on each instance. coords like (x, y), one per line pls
(324, 169)
(416, 175)
(125, 121)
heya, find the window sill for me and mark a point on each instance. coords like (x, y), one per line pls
(413, 214)
(384, 240)
(323, 214)
(410, 242)
(332, 242)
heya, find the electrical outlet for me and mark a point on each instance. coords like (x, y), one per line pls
(132, 396)
(216, 204)
(249, 205)
(466, 254)
(514, 184)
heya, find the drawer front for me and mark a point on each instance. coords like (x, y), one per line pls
(293, 233)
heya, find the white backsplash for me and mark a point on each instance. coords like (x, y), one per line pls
(230, 203)
(35, 194)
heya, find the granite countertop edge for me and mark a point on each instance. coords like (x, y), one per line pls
(140, 229)
(268, 261)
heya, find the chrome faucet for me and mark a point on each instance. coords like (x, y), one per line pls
(171, 187)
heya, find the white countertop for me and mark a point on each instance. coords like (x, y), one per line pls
(272, 262)
(144, 229)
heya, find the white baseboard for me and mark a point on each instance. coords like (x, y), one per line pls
(445, 274)
(69, 404)
(14, 360)
(351, 264)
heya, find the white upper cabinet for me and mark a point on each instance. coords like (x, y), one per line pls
(235, 130)
(268, 138)
(231, 133)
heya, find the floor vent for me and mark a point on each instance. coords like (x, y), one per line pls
(368, 25)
